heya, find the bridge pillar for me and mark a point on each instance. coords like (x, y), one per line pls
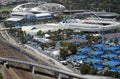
(32, 69)
(5, 63)
(70, 77)
(57, 75)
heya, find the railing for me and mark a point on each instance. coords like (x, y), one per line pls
(42, 66)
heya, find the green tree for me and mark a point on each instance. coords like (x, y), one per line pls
(63, 53)
(72, 48)
(39, 32)
(42, 46)
(111, 40)
(85, 69)
(116, 41)
(93, 70)
(108, 66)
(112, 74)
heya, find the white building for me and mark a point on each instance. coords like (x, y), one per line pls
(39, 10)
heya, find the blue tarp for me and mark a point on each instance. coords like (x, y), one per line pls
(98, 52)
(112, 48)
(17, 25)
(115, 69)
(118, 51)
(75, 36)
(76, 57)
(76, 42)
(98, 66)
(111, 63)
(111, 55)
(85, 49)
(99, 46)
(83, 37)
(93, 60)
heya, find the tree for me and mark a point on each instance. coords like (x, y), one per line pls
(93, 70)
(72, 48)
(104, 39)
(85, 69)
(42, 46)
(112, 74)
(111, 40)
(108, 66)
(39, 32)
(63, 53)
(108, 73)
(116, 41)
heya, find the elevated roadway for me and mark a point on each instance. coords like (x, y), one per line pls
(32, 65)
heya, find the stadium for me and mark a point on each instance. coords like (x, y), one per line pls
(38, 10)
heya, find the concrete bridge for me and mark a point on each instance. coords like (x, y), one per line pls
(57, 72)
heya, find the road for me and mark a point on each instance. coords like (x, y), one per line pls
(6, 51)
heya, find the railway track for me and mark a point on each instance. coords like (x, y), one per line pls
(22, 70)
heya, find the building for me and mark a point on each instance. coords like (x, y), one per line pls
(38, 10)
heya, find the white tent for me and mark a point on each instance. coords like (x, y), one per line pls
(47, 35)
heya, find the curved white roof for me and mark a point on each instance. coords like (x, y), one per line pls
(52, 7)
(25, 6)
(39, 7)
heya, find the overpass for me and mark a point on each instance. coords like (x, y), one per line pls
(32, 65)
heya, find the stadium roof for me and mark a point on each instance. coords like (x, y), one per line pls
(39, 7)
(15, 19)
(102, 14)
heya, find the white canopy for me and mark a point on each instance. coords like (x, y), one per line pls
(46, 35)
(15, 19)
